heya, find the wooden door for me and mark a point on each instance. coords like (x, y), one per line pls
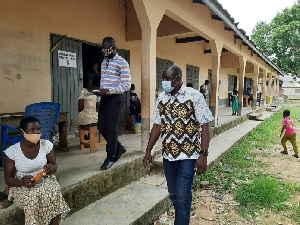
(66, 81)
(126, 108)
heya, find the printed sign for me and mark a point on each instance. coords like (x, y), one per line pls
(67, 59)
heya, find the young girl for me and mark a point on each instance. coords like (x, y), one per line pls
(290, 134)
(235, 102)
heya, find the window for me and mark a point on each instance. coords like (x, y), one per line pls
(297, 90)
(161, 65)
(192, 76)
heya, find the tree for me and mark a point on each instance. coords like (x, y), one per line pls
(280, 39)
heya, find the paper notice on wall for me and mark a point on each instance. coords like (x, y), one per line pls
(67, 59)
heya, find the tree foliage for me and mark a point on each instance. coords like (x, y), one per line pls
(280, 39)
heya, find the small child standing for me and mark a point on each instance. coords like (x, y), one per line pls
(290, 133)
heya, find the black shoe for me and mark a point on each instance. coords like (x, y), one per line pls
(120, 151)
(107, 164)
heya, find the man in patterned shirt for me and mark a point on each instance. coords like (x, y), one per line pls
(115, 80)
(179, 114)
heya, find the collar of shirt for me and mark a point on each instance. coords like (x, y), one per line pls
(181, 91)
(114, 58)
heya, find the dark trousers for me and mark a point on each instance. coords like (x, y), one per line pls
(180, 175)
(108, 114)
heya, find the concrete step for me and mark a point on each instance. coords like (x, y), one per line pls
(141, 202)
(82, 193)
(254, 116)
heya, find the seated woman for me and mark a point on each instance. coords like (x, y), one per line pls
(87, 107)
(41, 199)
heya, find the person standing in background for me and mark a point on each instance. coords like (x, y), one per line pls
(115, 80)
(204, 89)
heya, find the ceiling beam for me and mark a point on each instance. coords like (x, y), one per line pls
(237, 37)
(216, 17)
(191, 39)
(198, 1)
(228, 28)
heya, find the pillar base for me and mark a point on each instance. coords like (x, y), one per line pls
(254, 104)
(145, 133)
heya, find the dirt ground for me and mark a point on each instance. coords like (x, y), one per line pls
(211, 208)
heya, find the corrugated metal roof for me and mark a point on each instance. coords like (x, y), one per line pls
(218, 9)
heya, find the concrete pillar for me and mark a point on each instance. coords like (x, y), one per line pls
(149, 16)
(216, 65)
(263, 96)
(255, 83)
(277, 88)
(242, 63)
(270, 87)
(148, 82)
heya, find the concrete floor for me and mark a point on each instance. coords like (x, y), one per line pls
(77, 165)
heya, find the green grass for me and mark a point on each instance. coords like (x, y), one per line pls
(253, 189)
(263, 192)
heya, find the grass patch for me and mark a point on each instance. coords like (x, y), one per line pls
(263, 192)
(236, 174)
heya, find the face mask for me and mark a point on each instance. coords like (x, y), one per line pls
(167, 85)
(107, 52)
(33, 138)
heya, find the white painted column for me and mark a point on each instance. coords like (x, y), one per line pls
(149, 22)
(216, 49)
(242, 63)
(256, 75)
(270, 88)
(263, 96)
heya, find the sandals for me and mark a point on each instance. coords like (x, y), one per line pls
(5, 204)
(296, 156)
(284, 153)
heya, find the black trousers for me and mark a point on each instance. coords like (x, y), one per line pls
(108, 115)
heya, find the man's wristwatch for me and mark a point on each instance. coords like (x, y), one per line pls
(204, 152)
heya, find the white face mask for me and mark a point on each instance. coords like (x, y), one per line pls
(33, 138)
(167, 85)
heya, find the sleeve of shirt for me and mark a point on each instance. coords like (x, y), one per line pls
(202, 112)
(125, 79)
(156, 118)
(11, 152)
(47, 146)
(284, 122)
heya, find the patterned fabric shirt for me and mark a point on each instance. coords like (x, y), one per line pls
(115, 75)
(180, 118)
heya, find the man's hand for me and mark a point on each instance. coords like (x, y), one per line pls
(201, 164)
(100, 92)
(148, 161)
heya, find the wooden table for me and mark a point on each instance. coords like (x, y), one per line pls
(246, 100)
(13, 119)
